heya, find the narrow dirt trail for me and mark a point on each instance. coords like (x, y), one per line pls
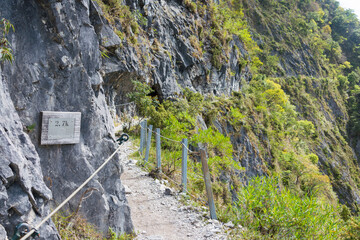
(158, 216)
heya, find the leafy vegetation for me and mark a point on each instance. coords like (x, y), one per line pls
(272, 115)
(178, 120)
(354, 102)
(5, 48)
(114, 11)
(73, 226)
(287, 28)
(226, 20)
(269, 212)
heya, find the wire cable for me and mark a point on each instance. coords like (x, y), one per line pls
(71, 196)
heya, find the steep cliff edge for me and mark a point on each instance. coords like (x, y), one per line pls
(56, 68)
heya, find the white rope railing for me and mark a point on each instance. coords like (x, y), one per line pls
(70, 197)
(173, 140)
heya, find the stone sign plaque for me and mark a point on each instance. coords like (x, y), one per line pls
(60, 127)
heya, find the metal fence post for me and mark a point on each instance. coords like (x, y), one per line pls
(184, 163)
(148, 143)
(142, 136)
(158, 149)
(145, 132)
(205, 169)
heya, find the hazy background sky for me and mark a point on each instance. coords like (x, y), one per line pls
(352, 4)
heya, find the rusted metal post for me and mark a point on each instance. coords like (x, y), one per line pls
(184, 163)
(206, 173)
(158, 149)
(148, 143)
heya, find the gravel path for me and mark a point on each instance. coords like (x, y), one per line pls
(156, 215)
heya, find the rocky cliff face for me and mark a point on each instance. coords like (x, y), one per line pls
(166, 56)
(56, 68)
(24, 195)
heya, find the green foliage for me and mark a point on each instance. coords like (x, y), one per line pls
(115, 10)
(291, 140)
(75, 227)
(124, 236)
(140, 95)
(346, 31)
(236, 116)
(272, 115)
(327, 33)
(345, 213)
(141, 19)
(31, 127)
(354, 102)
(313, 158)
(221, 154)
(177, 120)
(191, 5)
(5, 48)
(352, 229)
(120, 34)
(268, 211)
(228, 20)
(197, 45)
(104, 52)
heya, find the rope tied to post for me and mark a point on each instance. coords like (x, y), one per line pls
(123, 138)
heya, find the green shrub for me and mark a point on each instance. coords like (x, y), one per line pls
(75, 227)
(352, 229)
(271, 212)
(5, 48)
(191, 5)
(124, 236)
(114, 10)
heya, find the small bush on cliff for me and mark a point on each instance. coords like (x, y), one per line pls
(124, 236)
(191, 5)
(114, 11)
(73, 226)
(5, 48)
(269, 212)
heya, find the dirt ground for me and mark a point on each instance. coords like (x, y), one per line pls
(159, 216)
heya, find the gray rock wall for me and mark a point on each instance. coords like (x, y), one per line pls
(56, 68)
(24, 197)
(165, 57)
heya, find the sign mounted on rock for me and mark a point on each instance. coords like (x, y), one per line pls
(60, 127)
